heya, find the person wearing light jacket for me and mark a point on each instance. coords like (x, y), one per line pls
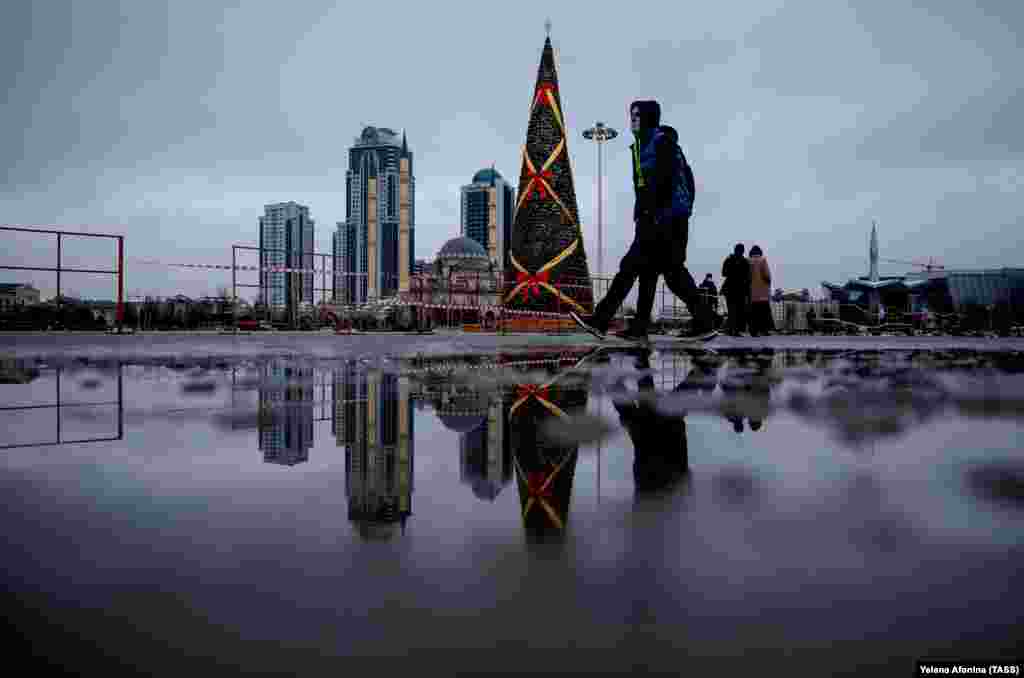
(760, 293)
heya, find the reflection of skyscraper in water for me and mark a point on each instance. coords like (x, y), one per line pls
(286, 421)
(485, 459)
(373, 421)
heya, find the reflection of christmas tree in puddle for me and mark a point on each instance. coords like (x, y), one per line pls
(544, 469)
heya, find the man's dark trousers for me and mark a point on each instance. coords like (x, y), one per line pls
(657, 249)
(737, 302)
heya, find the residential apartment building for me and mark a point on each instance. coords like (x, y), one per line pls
(286, 245)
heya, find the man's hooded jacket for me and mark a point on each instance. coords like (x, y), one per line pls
(662, 179)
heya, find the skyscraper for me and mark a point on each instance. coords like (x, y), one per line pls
(377, 238)
(486, 213)
(286, 241)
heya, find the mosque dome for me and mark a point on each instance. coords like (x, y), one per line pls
(462, 423)
(486, 176)
(462, 248)
(462, 412)
(484, 488)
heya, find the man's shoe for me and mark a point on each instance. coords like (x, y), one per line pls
(700, 330)
(587, 324)
(698, 334)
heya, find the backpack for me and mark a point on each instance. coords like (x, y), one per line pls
(683, 186)
(684, 179)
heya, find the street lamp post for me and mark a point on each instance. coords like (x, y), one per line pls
(600, 133)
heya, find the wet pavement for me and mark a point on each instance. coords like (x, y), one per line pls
(287, 505)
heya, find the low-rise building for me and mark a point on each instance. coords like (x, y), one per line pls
(13, 295)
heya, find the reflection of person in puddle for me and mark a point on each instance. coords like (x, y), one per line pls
(754, 390)
(660, 458)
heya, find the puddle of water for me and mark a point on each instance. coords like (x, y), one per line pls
(670, 504)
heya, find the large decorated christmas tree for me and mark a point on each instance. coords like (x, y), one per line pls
(548, 264)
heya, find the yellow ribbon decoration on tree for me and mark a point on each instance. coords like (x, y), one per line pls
(549, 287)
(548, 509)
(538, 177)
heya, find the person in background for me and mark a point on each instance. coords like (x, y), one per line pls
(736, 288)
(710, 293)
(760, 293)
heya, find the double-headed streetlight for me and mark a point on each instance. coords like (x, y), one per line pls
(600, 133)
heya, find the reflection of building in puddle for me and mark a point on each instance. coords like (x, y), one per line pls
(544, 469)
(486, 463)
(286, 402)
(373, 421)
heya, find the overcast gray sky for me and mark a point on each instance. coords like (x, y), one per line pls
(174, 123)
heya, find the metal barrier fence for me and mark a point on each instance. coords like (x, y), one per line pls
(454, 297)
(59, 268)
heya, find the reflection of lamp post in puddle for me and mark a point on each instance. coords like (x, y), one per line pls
(600, 133)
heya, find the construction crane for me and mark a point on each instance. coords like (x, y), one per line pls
(930, 266)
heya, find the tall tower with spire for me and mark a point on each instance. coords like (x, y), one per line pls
(547, 269)
(873, 254)
(406, 243)
(374, 246)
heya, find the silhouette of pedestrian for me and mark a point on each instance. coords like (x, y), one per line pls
(664, 188)
(736, 288)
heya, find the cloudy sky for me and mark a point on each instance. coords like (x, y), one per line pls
(174, 123)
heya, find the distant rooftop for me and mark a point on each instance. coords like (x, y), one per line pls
(486, 176)
(378, 136)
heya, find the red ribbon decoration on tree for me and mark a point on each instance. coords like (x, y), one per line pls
(532, 282)
(536, 185)
(535, 485)
(532, 390)
(543, 88)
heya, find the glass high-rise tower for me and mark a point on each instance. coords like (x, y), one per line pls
(286, 241)
(377, 239)
(487, 205)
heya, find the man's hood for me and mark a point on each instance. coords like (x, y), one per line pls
(670, 132)
(650, 114)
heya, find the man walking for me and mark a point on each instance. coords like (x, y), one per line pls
(664, 188)
(736, 288)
